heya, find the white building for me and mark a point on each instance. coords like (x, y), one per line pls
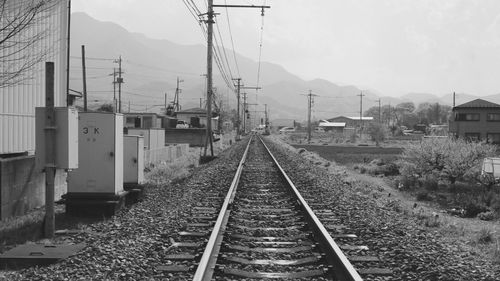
(18, 101)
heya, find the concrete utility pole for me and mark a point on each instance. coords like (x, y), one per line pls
(310, 101)
(379, 111)
(238, 121)
(244, 112)
(210, 30)
(361, 95)
(115, 103)
(50, 150)
(177, 104)
(84, 76)
(210, 22)
(265, 120)
(68, 53)
(119, 81)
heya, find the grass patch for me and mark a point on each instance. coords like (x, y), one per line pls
(485, 236)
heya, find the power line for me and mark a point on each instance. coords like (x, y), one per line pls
(223, 49)
(232, 42)
(92, 58)
(260, 44)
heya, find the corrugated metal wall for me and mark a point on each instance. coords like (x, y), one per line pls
(18, 102)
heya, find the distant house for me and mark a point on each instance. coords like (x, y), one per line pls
(352, 121)
(332, 126)
(476, 120)
(142, 120)
(196, 117)
(280, 123)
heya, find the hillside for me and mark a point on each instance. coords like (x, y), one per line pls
(151, 67)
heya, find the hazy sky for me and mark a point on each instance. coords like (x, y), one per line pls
(392, 46)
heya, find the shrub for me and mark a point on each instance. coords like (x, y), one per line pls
(423, 196)
(495, 204)
(429, 182)
(450, 159)
(429, 220)
(486, 216)
(391, 169)
(405, 183)
(473, 208)
(496, 253)
(485, 236)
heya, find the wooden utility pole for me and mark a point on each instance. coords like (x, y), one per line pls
(84, 76)
(50, 150)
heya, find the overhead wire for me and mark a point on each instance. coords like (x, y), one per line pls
(223, 49)
(232, 41)
(260, 45)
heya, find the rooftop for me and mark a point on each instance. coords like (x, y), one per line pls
(478, 103)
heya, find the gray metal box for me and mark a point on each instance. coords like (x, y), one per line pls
(153, 137)
(101, 154)
(66, 137)
(133, 159)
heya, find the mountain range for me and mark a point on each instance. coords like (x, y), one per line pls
(151, 68)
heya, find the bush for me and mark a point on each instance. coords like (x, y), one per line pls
(429, 220)
(485, 236)
(486, 216)
(429, 183)
(449, 159)
(405, 183)
(473, 208)
(423, 196)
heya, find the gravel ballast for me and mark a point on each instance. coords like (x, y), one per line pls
(133, 244)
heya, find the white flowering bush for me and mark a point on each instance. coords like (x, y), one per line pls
(444, 158)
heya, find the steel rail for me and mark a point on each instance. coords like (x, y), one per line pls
(206, 266)
(333, 252)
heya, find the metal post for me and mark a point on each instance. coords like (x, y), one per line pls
(50, 150)
(84, 77)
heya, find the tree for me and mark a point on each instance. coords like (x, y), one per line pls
(19, 43)
(377, 132)
(107, 107)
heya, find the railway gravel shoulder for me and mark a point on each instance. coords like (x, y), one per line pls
(133, 244)
(412, 251)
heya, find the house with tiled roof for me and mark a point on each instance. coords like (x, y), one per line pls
(476, 120)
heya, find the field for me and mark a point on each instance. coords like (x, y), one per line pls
(352, 155)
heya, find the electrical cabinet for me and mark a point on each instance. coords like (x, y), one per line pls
(153, 138)
(100, 148)
(133, 159)
(66, 137)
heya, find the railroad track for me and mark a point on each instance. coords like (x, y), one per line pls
(263, 228)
